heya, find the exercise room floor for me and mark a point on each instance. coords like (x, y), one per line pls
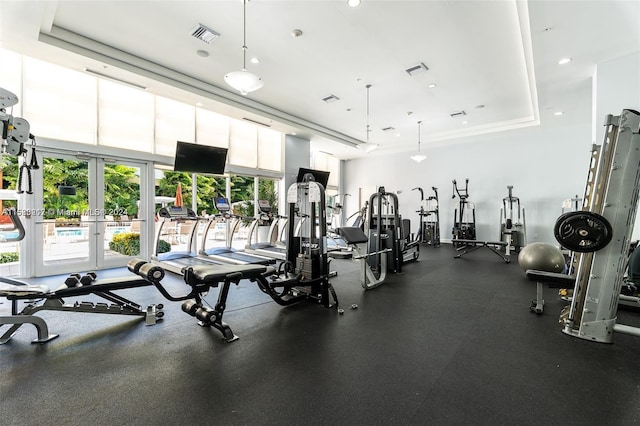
(448, 341)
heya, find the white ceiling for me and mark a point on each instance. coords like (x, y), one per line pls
(502, 54)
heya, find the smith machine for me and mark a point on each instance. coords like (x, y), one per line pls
(600, 234)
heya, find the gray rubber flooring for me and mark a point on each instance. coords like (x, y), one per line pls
(447, 342)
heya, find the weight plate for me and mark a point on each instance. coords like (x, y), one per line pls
(583, 231)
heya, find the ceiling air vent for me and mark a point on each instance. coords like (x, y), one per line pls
(256, 122)
(417, 69)
(331, 98)
(388, 129)
(458, 114)
(203, 33)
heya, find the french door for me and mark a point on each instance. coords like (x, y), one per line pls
(88, 215)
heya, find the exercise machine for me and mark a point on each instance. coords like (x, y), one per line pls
(275, 246)
(39, 297)
(371, 276)
(179, 224)
(429, 213)
(303, 277)
(464, 227)
(14, 135)
(600, 233)
(385, 229)
(512, 223)
(464, 217)
(230, 224)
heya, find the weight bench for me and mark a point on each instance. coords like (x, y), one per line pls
(201, 278)
(468, 246)
(15, 290)
(552, 279)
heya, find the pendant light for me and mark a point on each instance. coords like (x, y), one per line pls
(368, 147)
(418, 158)
(244, 81)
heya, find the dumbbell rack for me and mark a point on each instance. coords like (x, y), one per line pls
(611, 192)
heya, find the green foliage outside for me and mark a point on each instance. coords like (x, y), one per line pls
(122, 188)
(9, 257)
(128, 243)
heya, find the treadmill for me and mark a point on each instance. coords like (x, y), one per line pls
(274, 250)
(227, 254)
(173, 224)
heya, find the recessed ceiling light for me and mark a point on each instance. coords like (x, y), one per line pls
(431, 86)
(254, 60)
(353, 3)
(397, 135)
(558, 113)
(564, 61)
(202, 53)
(294, 133)
(198, 104)
(465, 122)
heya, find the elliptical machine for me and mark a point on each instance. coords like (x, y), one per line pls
(512, 232)
(464, 218)
(429, 218)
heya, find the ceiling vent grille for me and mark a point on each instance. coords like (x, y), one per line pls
(256, 122)
(203, 33)
(458, 114)
(330, 99)
(388, 129)
(417, 69)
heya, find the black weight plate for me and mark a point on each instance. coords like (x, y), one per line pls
(583, 231)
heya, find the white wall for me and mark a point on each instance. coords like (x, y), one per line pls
(545, 164)
(616, 87)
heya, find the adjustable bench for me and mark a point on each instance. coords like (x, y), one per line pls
(39, 297)
(552, 279)
(467, 246)
(201, 278)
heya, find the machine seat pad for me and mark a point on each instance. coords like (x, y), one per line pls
(213, 274)
(23, 290)
(352, 235)
(563, 280)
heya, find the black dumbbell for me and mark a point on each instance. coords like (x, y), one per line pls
(72, 281)
(88, 278)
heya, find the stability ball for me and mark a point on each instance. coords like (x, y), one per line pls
(541, 257)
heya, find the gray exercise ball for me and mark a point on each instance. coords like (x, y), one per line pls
(541, 257)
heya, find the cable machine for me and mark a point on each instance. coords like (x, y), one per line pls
(512, 223)
(387, 230)
(464, 218)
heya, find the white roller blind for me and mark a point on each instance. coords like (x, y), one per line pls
(212, 128)
(243, 144)
(175, 121)
(11, 78)
(60, 103)
(269, 149)
(125, 117)
(328, 163)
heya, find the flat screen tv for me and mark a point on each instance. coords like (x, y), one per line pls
(319, 176)
(195, 158)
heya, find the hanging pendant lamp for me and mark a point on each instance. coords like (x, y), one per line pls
(368, 147)
(418, 157)
(243, 80)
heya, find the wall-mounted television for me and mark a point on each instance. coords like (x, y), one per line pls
(195, 158)
(319, 176)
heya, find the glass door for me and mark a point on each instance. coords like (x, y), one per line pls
(119, 203)
(89, 214)
(67, 238)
